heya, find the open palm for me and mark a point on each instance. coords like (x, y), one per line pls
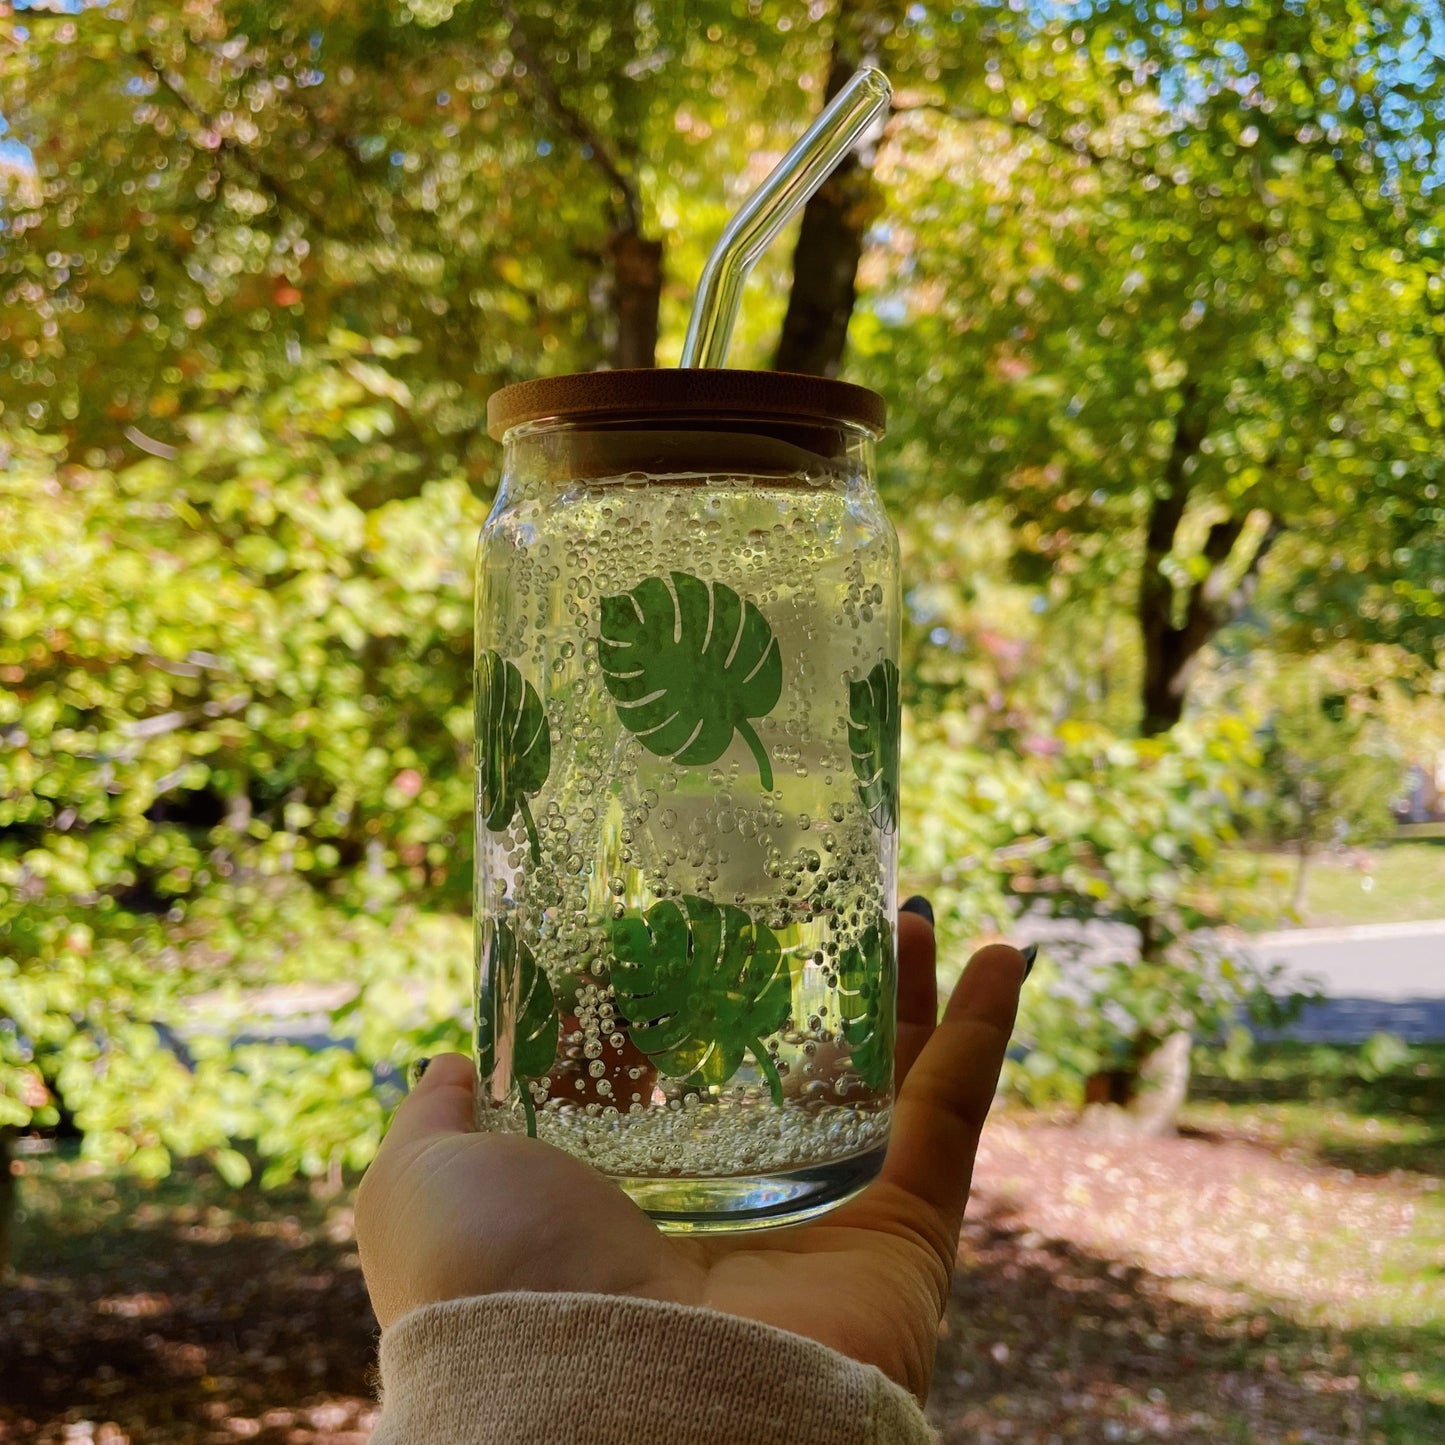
(446, 1212)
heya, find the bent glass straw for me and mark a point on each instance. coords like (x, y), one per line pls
(805, 167)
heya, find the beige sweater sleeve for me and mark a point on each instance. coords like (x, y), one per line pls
(588, 1369)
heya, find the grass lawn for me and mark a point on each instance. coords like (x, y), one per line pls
(1276, 1274)
(1323, 1108)
(1406, 882)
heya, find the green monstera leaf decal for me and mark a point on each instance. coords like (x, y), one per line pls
(514, 747)
(867, 1003)
(688, 663)
(701, 984)
(873, 742)
(513, 974)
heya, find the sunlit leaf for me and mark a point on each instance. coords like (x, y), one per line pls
(514, 746)
(701, 985)
(688, 664)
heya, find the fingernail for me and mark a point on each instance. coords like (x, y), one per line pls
(921, 906)
(417, 1070)
(1030, 953)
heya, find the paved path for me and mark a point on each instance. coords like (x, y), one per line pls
(1382, 977)
(1386, 977)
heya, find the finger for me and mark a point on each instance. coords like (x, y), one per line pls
(440, 1103)
(942, 1106)
(917, 990)
(438, 1107)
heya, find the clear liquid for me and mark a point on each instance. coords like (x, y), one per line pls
(621, 829)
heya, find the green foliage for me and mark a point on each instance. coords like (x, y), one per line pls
(960, 802)
(1086, 826)
(212, 184)
(1085, 1017)
(1383, 1054)
(867, 999)
(688, 664)
(1371, 1108)
(1328, 772)
(1125, 267)
(1167, 300)
(233, 687)
(873, 739)
(1083, 824)
(701, 985)
(1137, 831)
(513, 743)
(1052, 1056)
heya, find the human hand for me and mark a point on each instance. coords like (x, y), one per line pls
(446, 1212)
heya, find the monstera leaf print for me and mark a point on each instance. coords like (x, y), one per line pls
(873, 742)
(701, 984)
(514, 747)
(867, 1004)
(514, 979)
(688, 663)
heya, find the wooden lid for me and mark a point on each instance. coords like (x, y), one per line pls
(673, 397)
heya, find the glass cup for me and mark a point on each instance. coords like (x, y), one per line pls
(687, 630)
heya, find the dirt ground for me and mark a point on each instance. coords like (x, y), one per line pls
(1195, 1289)
(1183, 1290)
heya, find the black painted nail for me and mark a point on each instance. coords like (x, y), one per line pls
(1030, 953)
(417, 1070)
(921, 906)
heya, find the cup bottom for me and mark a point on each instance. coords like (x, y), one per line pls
(753, 1201)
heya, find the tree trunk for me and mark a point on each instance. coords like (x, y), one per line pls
(635, 282)
(825, 261)
(1150, 945)
(1173, 643)
(1162, 691)
(1301, 878)
(636, 293)
(7, 1201)
(1143, 1102)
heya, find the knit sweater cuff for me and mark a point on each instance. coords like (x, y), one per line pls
(533, 1369)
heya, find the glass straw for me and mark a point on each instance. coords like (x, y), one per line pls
(805, 167)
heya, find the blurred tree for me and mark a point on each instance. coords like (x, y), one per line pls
(1087, 827)
(1137, 832)
(235, 705)
(636, 261)
(268, 173)
(1329, 773)
(1172, 284)
(492, 184)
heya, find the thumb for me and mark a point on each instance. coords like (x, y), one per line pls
(440, 1103)
(390, 1200)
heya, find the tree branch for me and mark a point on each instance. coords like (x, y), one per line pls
(280, 191)
(970, 115)
(1205, 610)
(1248, 584)
(573, 121)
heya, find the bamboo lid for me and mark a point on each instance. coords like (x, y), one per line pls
(772, 403)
